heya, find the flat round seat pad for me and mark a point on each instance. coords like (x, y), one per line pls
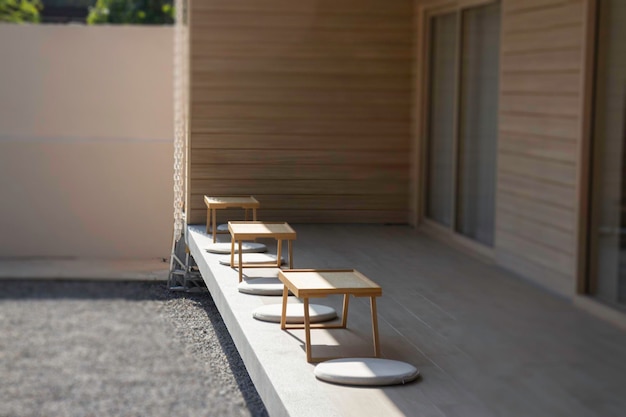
(261, 286)
(247, 247)
(251, 258)
(366, 371)
(295, 313)
(220, 228)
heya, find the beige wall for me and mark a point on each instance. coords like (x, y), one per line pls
(86, 141)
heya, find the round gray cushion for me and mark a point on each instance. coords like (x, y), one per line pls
(366, 371)
(251, 258)
(295, 313)
(220, 228)
(247, 247)
(261, 286)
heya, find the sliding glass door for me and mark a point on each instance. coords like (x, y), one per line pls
(462, 121)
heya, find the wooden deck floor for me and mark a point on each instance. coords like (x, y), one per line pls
(486, 342)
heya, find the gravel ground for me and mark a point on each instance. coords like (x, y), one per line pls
(84, 348)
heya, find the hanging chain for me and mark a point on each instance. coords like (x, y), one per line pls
(180, 116)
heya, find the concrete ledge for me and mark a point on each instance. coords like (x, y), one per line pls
(274, 359)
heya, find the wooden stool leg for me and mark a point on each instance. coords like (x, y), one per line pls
(208, 220)
(307, 331)
(232, 252)
(240, 265)
(375, 327)
(254, 214)
(344, 314)
(289, 243)
(283, 317)
(279, 252)
(214, 216)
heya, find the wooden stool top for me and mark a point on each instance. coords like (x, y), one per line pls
(219, 202)
(322, 282)
(252, 230)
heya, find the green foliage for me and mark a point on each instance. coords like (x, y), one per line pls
(20, 11)
(158, 12)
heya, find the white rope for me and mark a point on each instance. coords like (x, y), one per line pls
(180, 115)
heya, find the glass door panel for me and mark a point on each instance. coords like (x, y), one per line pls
(478, 127)
(442, 115)
(462, 134)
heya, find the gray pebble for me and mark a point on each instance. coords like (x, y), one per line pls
(88, 348)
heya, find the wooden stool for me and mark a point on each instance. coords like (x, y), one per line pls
(240, 231)
(224, 202)
(317, 283)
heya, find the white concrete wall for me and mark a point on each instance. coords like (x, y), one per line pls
(86, 141)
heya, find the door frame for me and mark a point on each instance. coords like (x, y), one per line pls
(419, 175)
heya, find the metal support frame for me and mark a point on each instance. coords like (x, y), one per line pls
(184, 275)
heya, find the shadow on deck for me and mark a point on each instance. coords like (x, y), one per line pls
(486, 342)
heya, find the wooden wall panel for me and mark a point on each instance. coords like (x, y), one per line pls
(288, 187)
(311, 9)
(537, 168)
(540, 124)
(537, 146)
(537, 189)
(298, 158)
(527, 16)
(294, 84)
(311, 126)
(558, 37)
(559, 127)
(534, 209)
(324, 215)
(295, 141)
(216, 172)
(303, 104)
(562, 104)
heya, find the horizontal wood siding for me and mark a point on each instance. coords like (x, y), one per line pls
(304, 104)
(539, 140)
